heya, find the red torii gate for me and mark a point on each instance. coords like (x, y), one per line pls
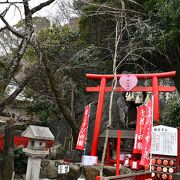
(102, 89)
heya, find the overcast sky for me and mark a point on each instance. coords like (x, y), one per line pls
(13, 15)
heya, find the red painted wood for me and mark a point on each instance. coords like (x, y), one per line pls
(139, 76)
(118, 152)
(166, 88)
(134, 176)
(155, 92)
(97, 177)
(98, 117)
(22, 141)
(108, 151)
(178, 146)
(136, 89)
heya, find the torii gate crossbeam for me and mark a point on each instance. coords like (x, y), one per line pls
(102, 89)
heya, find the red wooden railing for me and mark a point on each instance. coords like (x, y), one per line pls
(22, 141)
(134, 176)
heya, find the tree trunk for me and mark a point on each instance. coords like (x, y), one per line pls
(60, 100)
(8, 152)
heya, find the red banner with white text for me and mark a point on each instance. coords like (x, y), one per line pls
(147, 136)
(83, 130)
(140, 122)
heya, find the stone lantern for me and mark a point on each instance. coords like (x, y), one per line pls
(36, 149)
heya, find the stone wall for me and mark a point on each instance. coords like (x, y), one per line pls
(49, 170)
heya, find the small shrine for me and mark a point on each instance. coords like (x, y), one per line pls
(111, 150)
(36, 149)
(154, 151)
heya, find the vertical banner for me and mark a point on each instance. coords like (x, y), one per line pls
(83, 130)
(147, 136)
(141, 117)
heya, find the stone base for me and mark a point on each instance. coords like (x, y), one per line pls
(49, 170)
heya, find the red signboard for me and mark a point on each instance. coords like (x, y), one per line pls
(83, 130)
(141, 117)
(147, 136)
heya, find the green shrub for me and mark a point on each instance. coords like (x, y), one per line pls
(20, 160)
(171, 114)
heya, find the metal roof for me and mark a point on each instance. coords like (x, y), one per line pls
(125, 134)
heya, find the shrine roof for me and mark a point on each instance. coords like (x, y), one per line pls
(125, 134)
(38, 132)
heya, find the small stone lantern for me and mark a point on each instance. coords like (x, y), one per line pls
(36, 149)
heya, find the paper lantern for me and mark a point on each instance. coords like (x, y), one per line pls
(164, 176)
(165, 162)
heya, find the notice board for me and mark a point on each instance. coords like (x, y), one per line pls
(164, 140)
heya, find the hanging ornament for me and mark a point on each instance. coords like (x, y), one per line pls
(128, 98)
(147, 98)
(137, 101)
(132, 96)
(127, 94)
(128, 81)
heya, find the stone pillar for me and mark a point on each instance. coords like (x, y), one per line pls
(33, 168)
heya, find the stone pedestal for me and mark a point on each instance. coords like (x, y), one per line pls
(34, 164)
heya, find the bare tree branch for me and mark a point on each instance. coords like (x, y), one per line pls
(23, 45)
(27, 12)
(11, 2)
(21, 86)
(5, 11)
(16, 60)
(41, 5)
(2, 29)
(10, 28)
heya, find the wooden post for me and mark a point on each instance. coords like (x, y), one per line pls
(178, 153)
(118, 152)
(108, 151)
(98, 117)
(155, 92)
(97, 177)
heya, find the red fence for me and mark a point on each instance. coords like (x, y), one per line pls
(22, 141)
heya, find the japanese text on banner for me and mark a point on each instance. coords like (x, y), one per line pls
(141, 117)
(83, 130)
(147, 136)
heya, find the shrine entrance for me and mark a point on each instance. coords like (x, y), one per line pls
(155, 88)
